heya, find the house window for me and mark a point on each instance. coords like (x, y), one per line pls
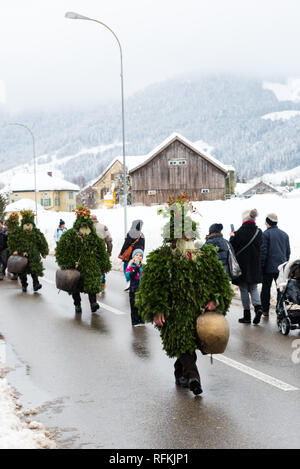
(45, 202)
(71, 207)
(71, 195)
(57, 201)
(204, 191)
(112, 177)
(177, 162)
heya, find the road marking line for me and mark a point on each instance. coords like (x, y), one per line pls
(48, 281)
(102, 305)
(256, 374)
(111, 309)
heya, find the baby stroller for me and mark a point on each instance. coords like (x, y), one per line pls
(288, 285)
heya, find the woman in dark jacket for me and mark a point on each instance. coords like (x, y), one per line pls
(215, 237)
(249, 261)
(135, 236)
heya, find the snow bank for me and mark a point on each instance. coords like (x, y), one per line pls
(14, 433)
(225, 212)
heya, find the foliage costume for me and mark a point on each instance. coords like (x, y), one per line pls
(28, 241)
(179, 281)
(81, 248)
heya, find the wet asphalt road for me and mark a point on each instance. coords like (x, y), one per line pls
(98, 383)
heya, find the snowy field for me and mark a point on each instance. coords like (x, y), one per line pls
(225, 212)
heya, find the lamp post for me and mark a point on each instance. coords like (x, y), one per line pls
(34, 163)
(76, 16)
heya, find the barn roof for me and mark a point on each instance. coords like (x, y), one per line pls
(172, 138)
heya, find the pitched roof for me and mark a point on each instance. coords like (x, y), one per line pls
(175, 136)
(44, 182)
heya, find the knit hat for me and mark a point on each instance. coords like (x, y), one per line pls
(215, 228)
(61, 222)
(250, 214)
(136, 251)
(272, 219)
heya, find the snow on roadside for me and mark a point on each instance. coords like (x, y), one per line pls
(15, 433)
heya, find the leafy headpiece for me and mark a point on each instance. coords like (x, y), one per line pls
(12, 221)
(180, 225)
(27, 217)
(83, 218)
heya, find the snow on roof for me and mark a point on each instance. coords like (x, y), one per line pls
(25, 182)
(175, 136)
(131, 162)
(281, 115)
(23, 204)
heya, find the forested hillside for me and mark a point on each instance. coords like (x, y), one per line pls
(225, 112)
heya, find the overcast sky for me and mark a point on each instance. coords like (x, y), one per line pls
(49, 61)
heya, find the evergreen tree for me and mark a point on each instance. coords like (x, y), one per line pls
(3, 205)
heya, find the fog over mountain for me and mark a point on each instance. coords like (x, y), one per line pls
(241, 118)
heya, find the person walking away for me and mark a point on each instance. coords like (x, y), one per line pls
(246, 242)
(12, 224)
(134, 239)
(3, 249)
(215, 238)
(60, 230)
(275, 250)
(29, 241)
(104, 234)
(82, 249)
(134, 274)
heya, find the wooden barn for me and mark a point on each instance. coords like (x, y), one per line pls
(178, 166)
(260, 188)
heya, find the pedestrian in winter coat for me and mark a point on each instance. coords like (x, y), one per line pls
(275, 250)
(246, 242)
(134, 274)
(215, 238)
(28, 241)
(3, 249)
(60, 231)
(134, 238)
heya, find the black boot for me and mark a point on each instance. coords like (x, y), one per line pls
(78, 309)
(246, 319)
(36, 284)
(258, 313)
(94, 307)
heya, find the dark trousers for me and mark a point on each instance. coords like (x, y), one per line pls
(23, 278)
(135, 318)
(77, 298)
(3, 261)
(186, 366)
(266, 289)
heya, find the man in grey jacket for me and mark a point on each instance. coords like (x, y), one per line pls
(275, 250)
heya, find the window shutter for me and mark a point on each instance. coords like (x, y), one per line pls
(42, 201)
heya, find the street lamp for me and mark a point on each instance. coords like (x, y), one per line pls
(34, 163)
(77, 16)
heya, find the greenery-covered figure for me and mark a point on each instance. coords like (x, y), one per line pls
(28, 241)
(179, 283)
(13, 224)
(81, 248)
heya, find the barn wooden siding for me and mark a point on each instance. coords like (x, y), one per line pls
(157, 175)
